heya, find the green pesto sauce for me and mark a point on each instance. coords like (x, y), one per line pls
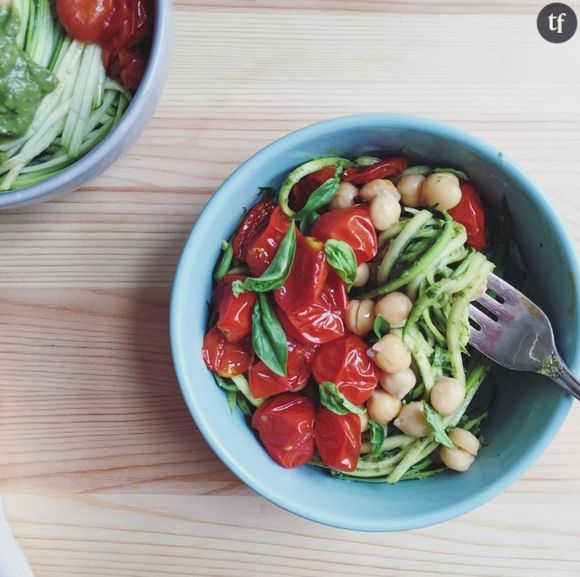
(23, 83)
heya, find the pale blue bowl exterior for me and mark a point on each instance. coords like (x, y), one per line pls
(527, 410)
(126, 132)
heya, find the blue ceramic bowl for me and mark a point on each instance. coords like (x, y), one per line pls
(125, 133)
(527, 409)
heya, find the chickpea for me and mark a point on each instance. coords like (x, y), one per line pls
(441, 190)
(394, 308)
(360, 316)
(465, 440)
(378, 187)
(398, 384)
(383, 407)
(456, 459)
(385, 211)
(345, 196)
(412, 420)
(390, 354)
(409, 186)
(363, 273)
(447, 395)
(364, 422)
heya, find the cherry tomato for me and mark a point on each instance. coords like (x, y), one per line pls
(338, 439)
(345, 363)
(85, 20)
(262, 250)
(321, 321)
(266, 383)
(307, 276)
(285, 425)
(125, 41)
(234, 313)
(294, 457)
(352, 225)
(381, 169)
(471, 214)
(224, 358)
(129, 25)
(252, 226)
(302, 190)
(132, 68)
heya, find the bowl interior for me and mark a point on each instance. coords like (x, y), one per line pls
(527, 410)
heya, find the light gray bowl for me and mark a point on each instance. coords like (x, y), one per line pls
(123, 135)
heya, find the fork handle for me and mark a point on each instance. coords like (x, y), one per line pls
(564, 377)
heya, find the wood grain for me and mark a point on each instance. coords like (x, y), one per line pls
(101, 468)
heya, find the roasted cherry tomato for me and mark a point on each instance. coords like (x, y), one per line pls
(471, 214)
(129, 26)
(383, 169)
(352, 225)
(285, 425)
(252, 226)
(126, 40)
(338, 439)
(302, 190)
(345, 363)
(85, 20)
(321, 321)
(224, 358)
(262, 250)
(294, 457)
(266, 383)
(234, 313)
(307, 276)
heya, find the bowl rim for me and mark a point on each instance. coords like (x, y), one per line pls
(179, 351)
(156, 68)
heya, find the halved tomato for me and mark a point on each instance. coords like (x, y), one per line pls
(345, 363)
(224, 358)
(285, 425)
(266, 383)
(351, 225)
(338, 439)
(262, 250)
(234, 313)
(307, 275)
(321, 321)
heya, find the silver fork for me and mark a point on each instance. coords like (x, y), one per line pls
(516, 334)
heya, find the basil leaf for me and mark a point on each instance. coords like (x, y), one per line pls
(276, 273)
(381, 327)
(244, 405)
(335, 401)
(232, 400)
(225, 384)
(342, 259)
(268, 191)
(418, 169)
(434, 419)
(377, 434)
(307, 222)
(225, 262)
(366, 160)
(458, 173)
(322, 195)
(268, 338)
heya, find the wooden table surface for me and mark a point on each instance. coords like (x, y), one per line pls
(102, 470)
